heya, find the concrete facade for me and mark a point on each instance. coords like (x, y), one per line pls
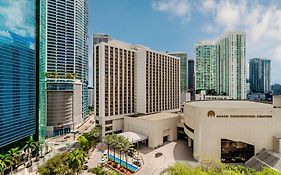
(64, 104)
(207, 122)
(154, 126)
(133, 79)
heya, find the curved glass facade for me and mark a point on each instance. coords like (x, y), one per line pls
(17, 70)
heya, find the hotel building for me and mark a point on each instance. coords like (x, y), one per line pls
(131, 80)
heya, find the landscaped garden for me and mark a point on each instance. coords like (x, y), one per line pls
(117, 158)
(213, 167)
(72, 162)
(15, 157)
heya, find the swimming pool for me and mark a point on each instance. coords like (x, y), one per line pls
(131, 167)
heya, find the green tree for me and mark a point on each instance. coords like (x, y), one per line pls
(29, 147)
(119, 145)
(107, 140)
(56, 165)
(76, 160)
(178, 169)
(84, 143)
(37, 147)
(4, 160)
(13, 155)
(114, 143)
(97, 170)
(127, 147)
(268, 171)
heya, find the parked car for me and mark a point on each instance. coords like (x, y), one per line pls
(158, 154)
(137, 163)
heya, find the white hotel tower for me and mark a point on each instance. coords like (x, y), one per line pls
(131, 80)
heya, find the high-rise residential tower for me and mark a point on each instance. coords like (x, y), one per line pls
(67, 64)
(260, 75)
(18, 96)
(231, 65)
(183, 68)
(133, 80)
(205, 65)
(191, 77)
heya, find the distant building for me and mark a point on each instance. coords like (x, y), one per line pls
(260, 75)
(231, 65)
(205, 66)
(99, 37)
(184, 70)
(276, 89)
(132, 79)
(191, 78)
(183, 74)
(91, 96)
(203, 96)
(248, 90)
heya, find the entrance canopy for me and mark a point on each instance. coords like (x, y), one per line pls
(133, 137)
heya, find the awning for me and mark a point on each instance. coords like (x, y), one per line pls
(133, 137)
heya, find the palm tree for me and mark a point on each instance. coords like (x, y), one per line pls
(127, 146)
(37, 147)
(13, 155)
(107, 140)
(29, 147)
(3, 163)
(76, 160)
(119, 146)
(114, 143)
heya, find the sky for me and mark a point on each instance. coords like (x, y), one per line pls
(177, 25)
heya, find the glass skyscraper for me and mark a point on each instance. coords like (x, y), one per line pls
(17, 70)
(205, 62)
(260, 75)
(183, 69)
(67, 63)
(231, 65)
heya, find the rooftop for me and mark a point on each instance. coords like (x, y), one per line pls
(158, 116)
(230, 104)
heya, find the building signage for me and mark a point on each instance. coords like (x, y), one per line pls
(212, 114)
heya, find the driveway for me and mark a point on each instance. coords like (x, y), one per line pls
(176, 151)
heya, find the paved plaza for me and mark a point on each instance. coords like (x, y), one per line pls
(176, 151)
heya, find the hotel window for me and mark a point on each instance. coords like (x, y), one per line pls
(108, 128)
(108, 122)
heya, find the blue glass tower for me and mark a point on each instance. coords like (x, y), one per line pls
(260, 75)
(17, 70)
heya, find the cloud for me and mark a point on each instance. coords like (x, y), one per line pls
(5, 34)
(209, 28)
(17, 16)
(260, 21)
(207, 6)
(177, 8)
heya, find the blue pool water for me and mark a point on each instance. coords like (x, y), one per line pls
(132, 167)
